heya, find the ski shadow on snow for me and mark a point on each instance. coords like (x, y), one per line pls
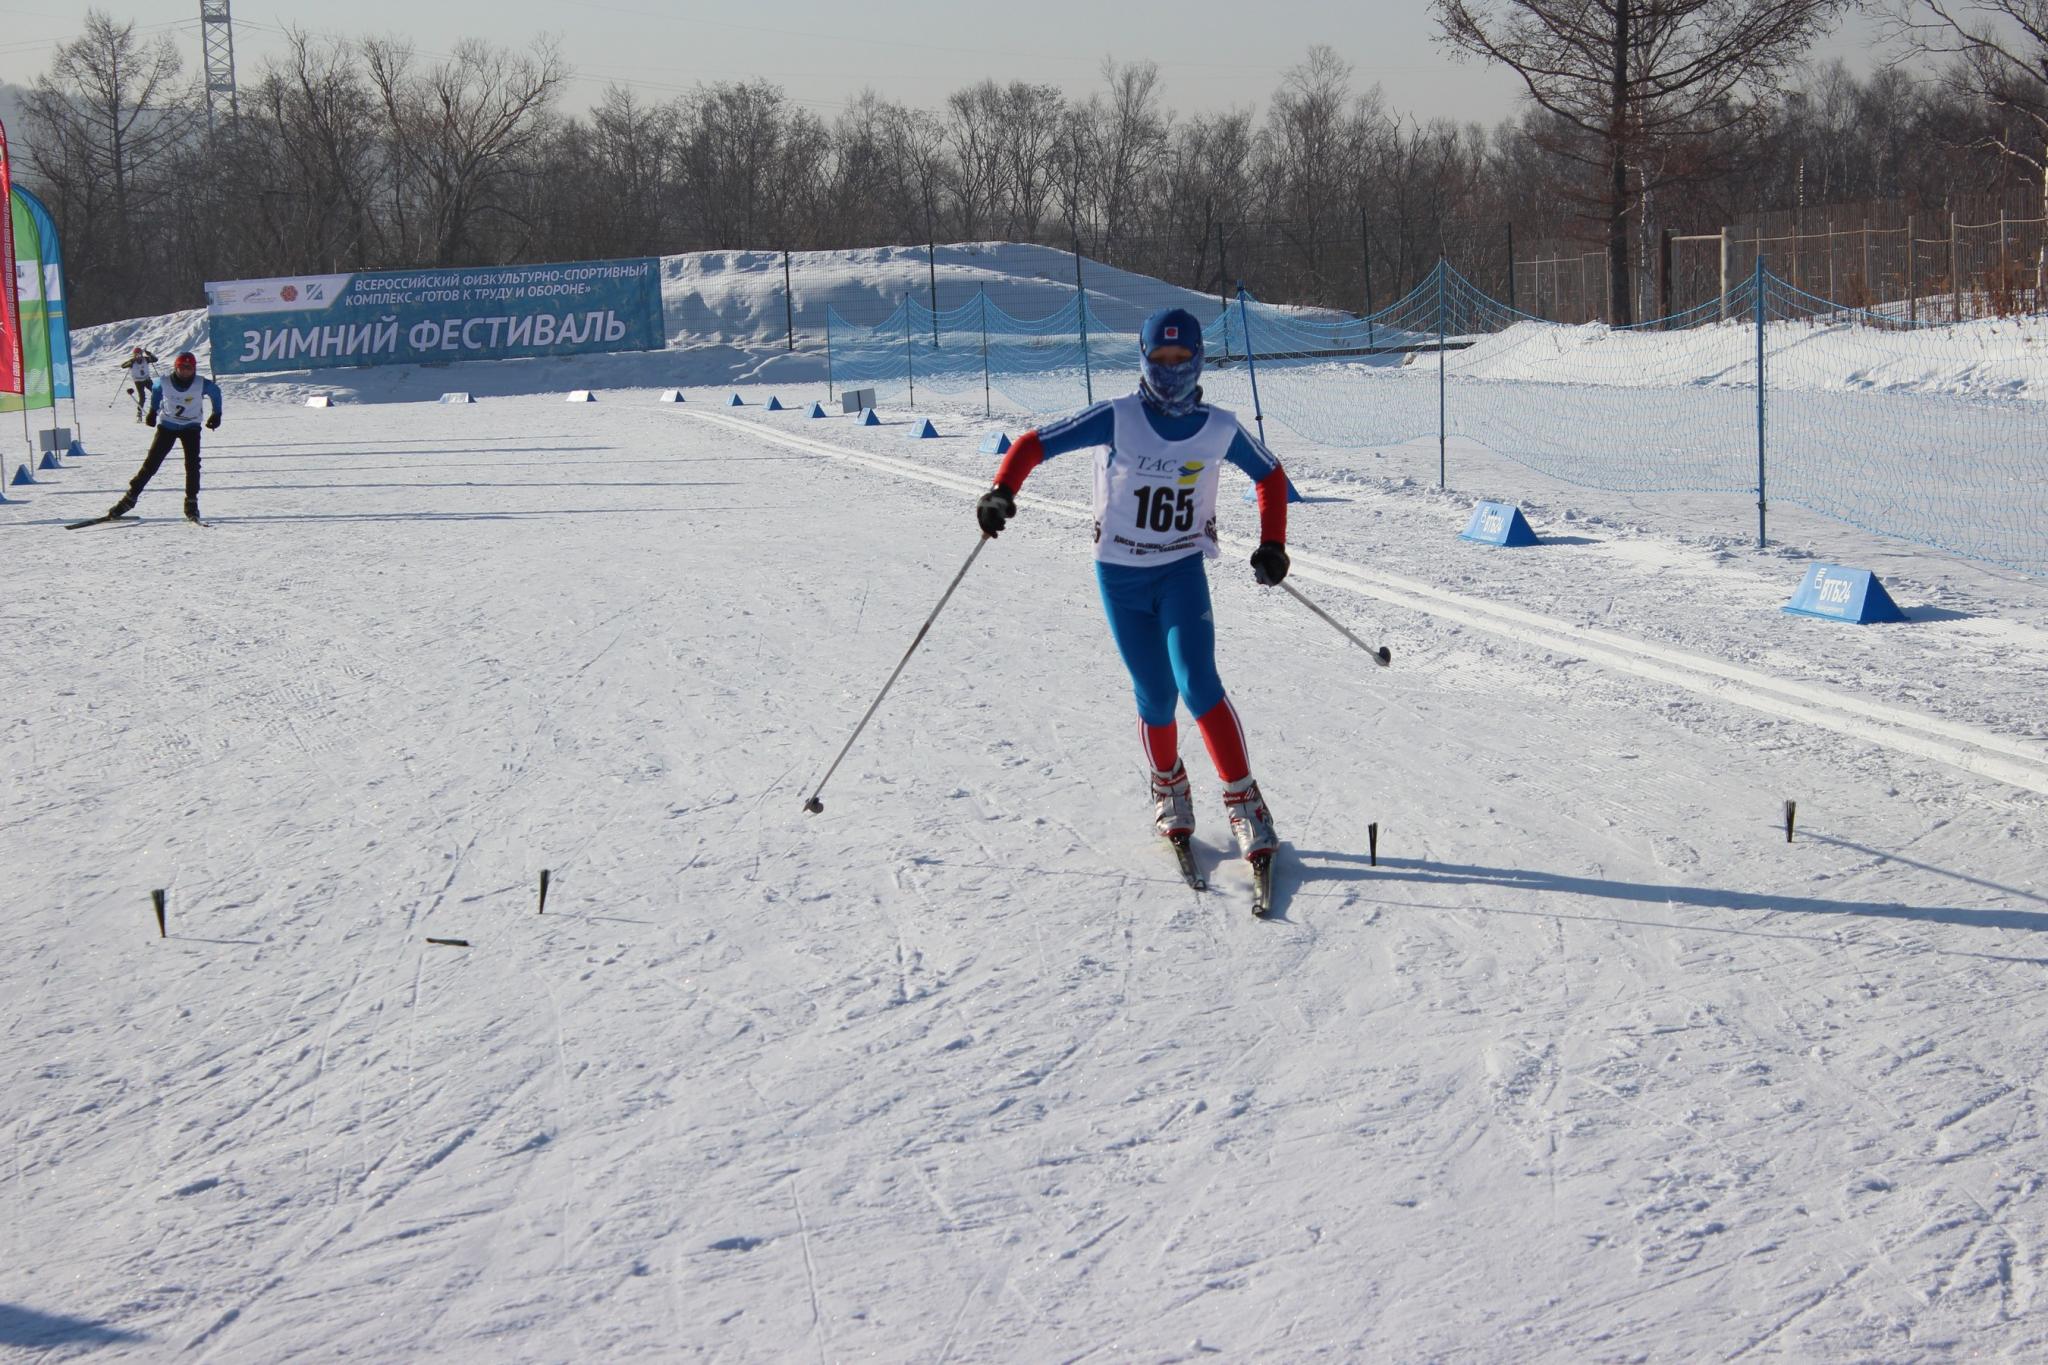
(355, 447)
(339, 484)
(21, 1326)
(534, 515)
(1419, 872)
(271, 451)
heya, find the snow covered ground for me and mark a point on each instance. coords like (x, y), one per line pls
(1593, 1065)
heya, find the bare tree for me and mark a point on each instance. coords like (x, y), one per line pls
(104, 121)
(1629, 79)
(1031, 129)
(315, 115)
(458, 132)
(1997, 57)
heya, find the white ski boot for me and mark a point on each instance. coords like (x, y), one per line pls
(1249, 819)
(1173, 807)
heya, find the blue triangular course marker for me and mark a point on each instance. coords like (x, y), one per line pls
(817, 410)
(775, 404)
(995, 443)
(924, 430)
(1251, 493)
(22, 476)
(1499, 523)
(76, 450)
(1834, 593)
(868, 418)
(49, 461)
(735, 402)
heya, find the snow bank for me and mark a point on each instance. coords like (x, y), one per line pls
(728, 320)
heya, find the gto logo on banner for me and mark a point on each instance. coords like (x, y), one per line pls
(411, 317)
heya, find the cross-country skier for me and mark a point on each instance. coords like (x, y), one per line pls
(175, 406)
(1159, 451)
(140, 377)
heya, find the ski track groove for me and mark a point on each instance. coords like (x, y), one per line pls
(2017, 762)
(820, 1333)
(1961, 1109)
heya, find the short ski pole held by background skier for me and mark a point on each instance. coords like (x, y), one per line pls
(814, 805)
(1380, 656)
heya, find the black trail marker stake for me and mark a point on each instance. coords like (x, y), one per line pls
(450, 942)
(1372, 843)
(1791, 809)
(156, 898)
(543, 891)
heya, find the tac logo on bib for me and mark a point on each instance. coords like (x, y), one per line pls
(1190, 473)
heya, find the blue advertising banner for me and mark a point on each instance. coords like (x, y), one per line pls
(413, 317)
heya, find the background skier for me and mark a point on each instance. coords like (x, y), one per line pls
(175, 405)
(140, 377)
(1159, 451)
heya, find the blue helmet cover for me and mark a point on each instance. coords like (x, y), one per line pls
(1173, 389)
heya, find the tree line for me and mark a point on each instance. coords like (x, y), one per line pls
(1640, 116)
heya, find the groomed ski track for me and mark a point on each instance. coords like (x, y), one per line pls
(2020, 762)
(1593, 1066)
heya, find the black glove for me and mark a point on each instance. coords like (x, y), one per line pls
(213, 422)
(1269, 562)
(994, 510)
(150, 420)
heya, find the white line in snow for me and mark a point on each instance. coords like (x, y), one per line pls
(2017, 762)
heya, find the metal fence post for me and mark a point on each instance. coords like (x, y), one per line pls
(1664, 263)
(1727, 308)
(1081, 298)
(1760, 499)
(1955, 268)
(1511, 268)
(1441, 438)
(931, 260)
(909, 358)
(1912, 272)
(985, 408)
(1251, 365)
(828, 352)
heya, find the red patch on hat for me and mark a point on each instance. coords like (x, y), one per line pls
(1171, 333)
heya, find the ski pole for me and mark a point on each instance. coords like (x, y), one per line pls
(814, 805)
(1380, 656)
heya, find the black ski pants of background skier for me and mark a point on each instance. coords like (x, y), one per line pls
(188, 437)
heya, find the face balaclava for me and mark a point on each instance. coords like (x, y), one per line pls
(1172, 389)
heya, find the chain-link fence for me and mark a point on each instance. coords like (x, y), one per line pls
(1894, 418)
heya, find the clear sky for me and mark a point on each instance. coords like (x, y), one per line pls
(1212, 55)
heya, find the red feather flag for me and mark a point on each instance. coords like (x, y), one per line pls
(10, 314)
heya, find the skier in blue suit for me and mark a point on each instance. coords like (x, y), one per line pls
(1159, 452)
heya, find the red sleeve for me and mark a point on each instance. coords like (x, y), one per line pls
(1273, 506)
(1026, 455)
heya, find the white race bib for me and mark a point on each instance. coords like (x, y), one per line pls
(187, 409)
(1155, 499)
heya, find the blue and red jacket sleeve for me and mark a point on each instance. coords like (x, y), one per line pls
(1094, 426)
(1249, 453)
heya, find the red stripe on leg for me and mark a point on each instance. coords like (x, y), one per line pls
(1162, 745)
(1224, 737)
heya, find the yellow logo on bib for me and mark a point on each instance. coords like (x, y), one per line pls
(1190, 473)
